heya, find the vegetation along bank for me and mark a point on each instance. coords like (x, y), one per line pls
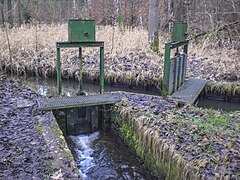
(180, 143)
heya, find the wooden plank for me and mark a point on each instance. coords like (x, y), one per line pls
(189, 91)
(78, 101)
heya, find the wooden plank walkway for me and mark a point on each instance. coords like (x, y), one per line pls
(78, 101)
(189, 91)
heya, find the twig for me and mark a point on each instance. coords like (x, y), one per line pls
(113, 36)
(9, 47)
(221, 28)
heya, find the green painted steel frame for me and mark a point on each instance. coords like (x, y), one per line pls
(179, 31)
(168, 47)
(79, 45)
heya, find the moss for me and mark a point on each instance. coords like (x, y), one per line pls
(158, 157)
(38, 128)
(230, 89)
(155, 47)
(66, 151)
(142, 150)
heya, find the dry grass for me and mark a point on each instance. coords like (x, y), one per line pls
(128, 58)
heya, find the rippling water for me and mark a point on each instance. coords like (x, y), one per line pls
(100, 156)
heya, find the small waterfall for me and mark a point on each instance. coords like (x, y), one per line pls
(84, 152)
(104, 156)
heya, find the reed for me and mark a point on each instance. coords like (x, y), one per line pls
(128, 57)
(226, 90)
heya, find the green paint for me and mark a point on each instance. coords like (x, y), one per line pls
(178, 77)
(59, 83)
(179, 31)
(81, 33)
(81, 30)
(101, 70)
(165, 84)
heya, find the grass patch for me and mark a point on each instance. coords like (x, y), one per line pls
(38, 128)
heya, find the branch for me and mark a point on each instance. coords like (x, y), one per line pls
(221, 28)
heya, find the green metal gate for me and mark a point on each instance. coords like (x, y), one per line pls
(81, 33)
(175, 62)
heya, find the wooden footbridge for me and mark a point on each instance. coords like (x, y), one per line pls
(81, 113)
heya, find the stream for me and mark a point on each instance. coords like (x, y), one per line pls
(48, 87)
(98, 155)
(104, 156)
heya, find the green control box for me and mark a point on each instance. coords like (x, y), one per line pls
(179, 31)
(81, 30)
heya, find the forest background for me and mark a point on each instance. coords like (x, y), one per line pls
(30, 29)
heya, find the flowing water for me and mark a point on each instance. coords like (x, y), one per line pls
(98, 156)
(101, 156)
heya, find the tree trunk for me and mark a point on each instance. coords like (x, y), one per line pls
(10, 14)
(18, 12)
(53, 11)
(153, 25)
(180, 11)
(2, 12)
(170, 15)
(119, 13)
(60, 10)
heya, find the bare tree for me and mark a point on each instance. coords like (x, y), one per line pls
(153, 25)
(170, 15)
(10, 14)
(119, 13)
(18, 12)
(2, 12)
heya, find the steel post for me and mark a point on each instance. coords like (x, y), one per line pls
(185, 49)
(59, 83)
(165, 85)
(80, 71)
(101, 70)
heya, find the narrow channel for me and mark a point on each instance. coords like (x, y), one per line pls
(48, 87)
(104, 156)
(98, 155)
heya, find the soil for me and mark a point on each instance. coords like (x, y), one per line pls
(29, 147)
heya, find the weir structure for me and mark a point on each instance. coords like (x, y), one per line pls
(86, 113)
(80, 114)
(81, 33)
(175, 84)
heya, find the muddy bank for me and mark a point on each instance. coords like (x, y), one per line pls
(31, 144)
